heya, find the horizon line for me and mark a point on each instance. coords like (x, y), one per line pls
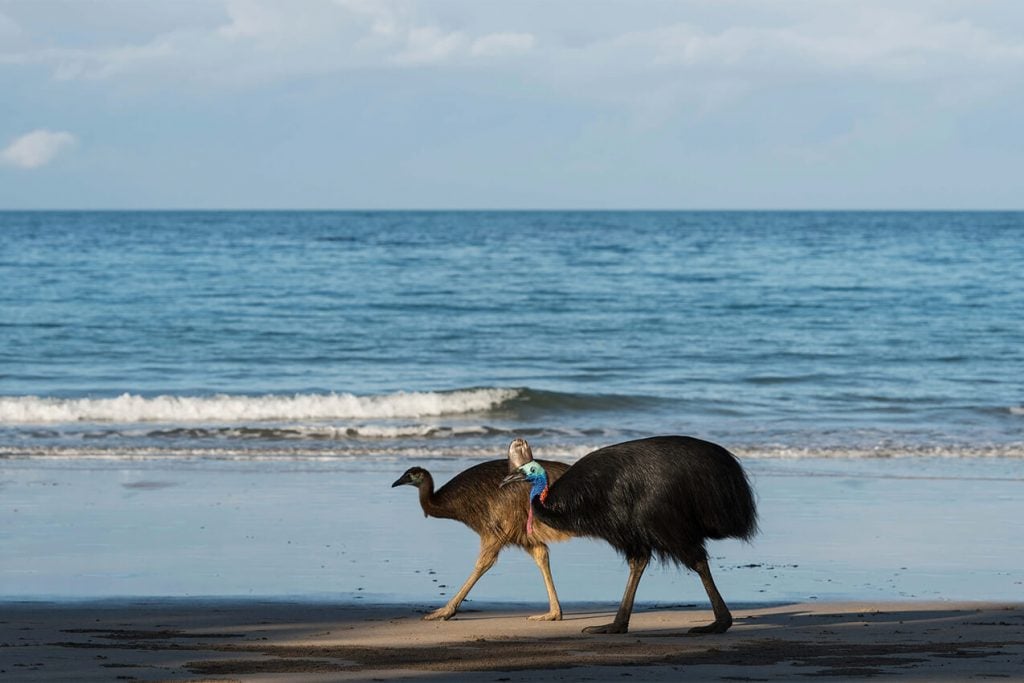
(507, 210)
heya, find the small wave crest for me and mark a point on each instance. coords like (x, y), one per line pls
(556, 447)
(222, 408)
(131, 408)
(1013, 451)
(325, 432)
(355, 452)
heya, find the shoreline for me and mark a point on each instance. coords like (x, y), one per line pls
(271, 640)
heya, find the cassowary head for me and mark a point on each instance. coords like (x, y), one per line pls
(414, 476)
(531, 472)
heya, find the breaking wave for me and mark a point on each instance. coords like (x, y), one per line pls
(224, 408)
(131, 408)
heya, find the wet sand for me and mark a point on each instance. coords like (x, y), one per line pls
(336, 532)
(183, 639)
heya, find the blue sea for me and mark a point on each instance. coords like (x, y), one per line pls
(341, 335)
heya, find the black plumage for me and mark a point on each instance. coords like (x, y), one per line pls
(499, 516)
(663, 496)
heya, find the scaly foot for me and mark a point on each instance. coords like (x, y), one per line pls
(550, 616)
(713, 627)
(443, 613)
(614, 627)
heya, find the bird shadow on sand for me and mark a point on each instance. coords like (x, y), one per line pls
(899, 621)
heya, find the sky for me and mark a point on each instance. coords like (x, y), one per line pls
(532, 104)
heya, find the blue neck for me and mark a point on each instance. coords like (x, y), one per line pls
(539, 484)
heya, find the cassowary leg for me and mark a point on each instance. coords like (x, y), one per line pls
(723, 618)
(540, 556)
(488, 556)
(621, 623)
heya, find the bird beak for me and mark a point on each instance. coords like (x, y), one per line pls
(404, 479)
(512, 478)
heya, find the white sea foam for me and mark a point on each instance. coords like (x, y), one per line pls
(1008, 450)
(129, 453)
(375, 431)
(130, 408)
(412, 431)
(397, 452)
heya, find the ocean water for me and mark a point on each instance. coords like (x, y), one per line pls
(348, 335)
(217, 403)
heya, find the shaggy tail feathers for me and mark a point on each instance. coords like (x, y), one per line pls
(735, 515)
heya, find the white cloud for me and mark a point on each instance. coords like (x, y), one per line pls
(262, 41)
(499, 44)
(879, 41)
(428, 45)
(36, 149)
(694, 54)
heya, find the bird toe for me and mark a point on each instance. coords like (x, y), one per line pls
(439, 614)
(713, 627)
(550, 616)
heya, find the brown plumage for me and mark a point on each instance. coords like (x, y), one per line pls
(499, 516)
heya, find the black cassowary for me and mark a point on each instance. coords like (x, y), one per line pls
(663, 496)
(500, 517)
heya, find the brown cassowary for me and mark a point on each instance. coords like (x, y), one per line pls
(501, 517)
(663, 496)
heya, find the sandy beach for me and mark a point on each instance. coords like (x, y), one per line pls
(290, 641)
